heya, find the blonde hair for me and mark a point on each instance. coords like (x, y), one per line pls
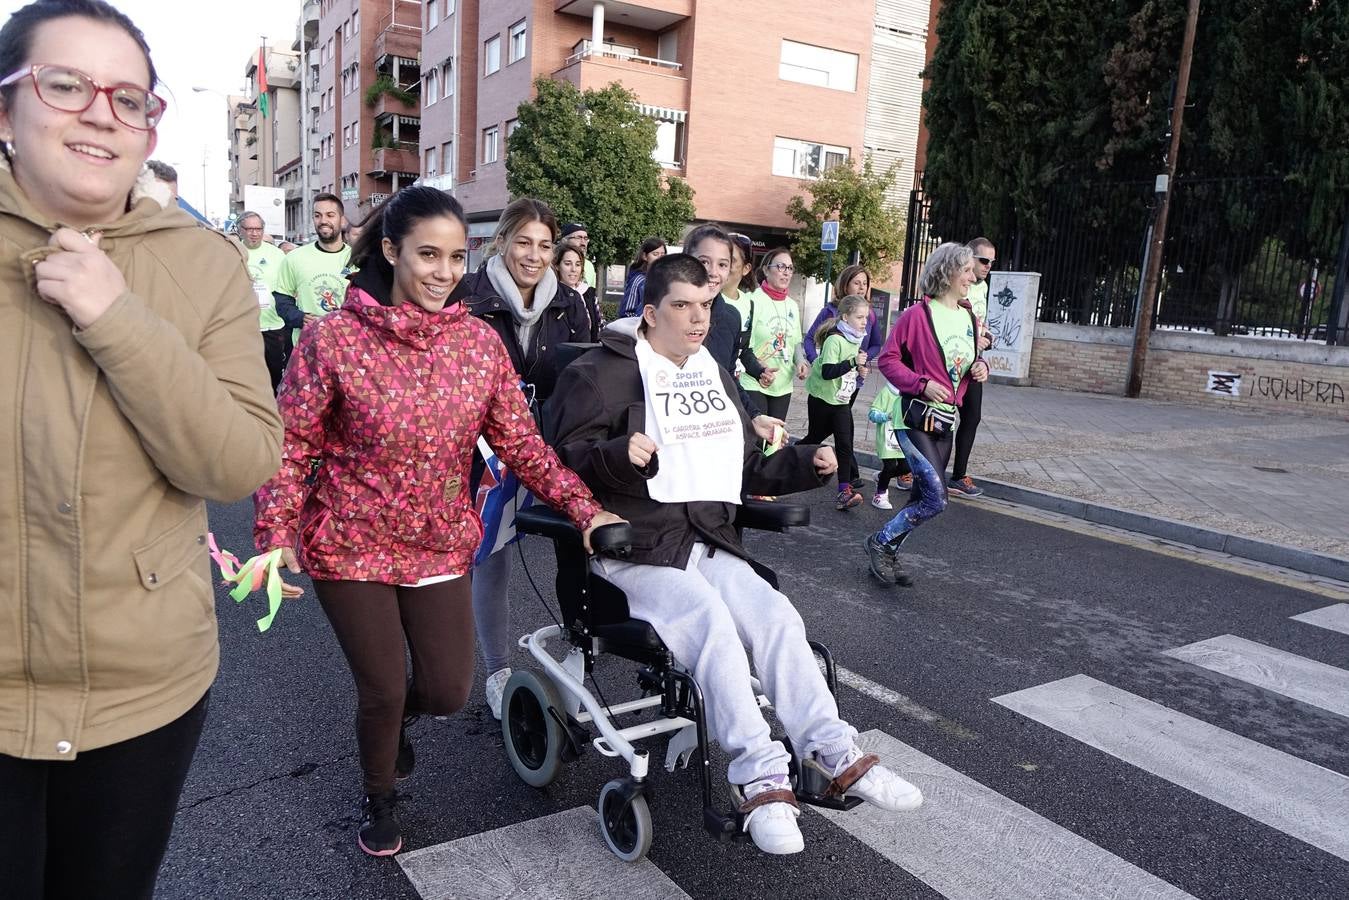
(846, 307)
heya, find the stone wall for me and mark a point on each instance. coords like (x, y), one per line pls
(1233, 372)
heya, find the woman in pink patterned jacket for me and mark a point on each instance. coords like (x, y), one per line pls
(383, 403)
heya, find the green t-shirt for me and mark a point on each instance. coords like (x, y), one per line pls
(774, 336)
(955, 336)
(264, 266)
(979, 299)
(835, 391)
(887, 401)
(742, 305)
(315, 278)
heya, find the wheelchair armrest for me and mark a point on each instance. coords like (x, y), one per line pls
(608, 540)
(770, 515)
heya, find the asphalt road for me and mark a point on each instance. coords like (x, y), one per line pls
(1002, 604)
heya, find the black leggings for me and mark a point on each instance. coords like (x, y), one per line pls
(276, 350)
(95, 826)
(890, 469)
(971, 410)
(376, 624)
(828, 419)
(772, 406)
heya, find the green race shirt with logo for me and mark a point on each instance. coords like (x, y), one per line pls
(774, 336)
(316, 279)
(264, 267)
(955, 336)
(979, 299)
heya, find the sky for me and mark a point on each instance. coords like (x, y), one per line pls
(201, 43)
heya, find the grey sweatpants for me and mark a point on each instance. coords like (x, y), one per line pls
(708, 614)
(492, 609)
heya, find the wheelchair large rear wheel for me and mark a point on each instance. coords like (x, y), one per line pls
(530, 707)
(626, 831)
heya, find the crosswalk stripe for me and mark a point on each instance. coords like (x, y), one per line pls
(1307, 680)
(1334, 618)
(969, 842)
(905, 705)
(560, 855)
(1302, 799)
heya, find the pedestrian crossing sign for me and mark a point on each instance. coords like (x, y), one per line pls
(829, 235)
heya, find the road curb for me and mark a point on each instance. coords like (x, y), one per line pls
(1295, 558)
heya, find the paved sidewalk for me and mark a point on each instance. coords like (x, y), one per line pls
(1282, 480)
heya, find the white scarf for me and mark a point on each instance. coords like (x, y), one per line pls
(698, 433)
(526, 318)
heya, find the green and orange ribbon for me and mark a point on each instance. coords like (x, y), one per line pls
(250, 576)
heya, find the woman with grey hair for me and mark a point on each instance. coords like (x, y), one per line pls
(932, 356)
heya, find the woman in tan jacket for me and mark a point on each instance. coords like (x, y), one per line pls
(132, 388)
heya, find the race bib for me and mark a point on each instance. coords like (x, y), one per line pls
(690, 405)
(892, 439)
(846, 385)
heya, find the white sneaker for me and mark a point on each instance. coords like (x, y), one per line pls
(772, 826)
(880, 787)
(882, 501)
(495, 689)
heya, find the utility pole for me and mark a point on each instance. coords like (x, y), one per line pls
(1147, 302)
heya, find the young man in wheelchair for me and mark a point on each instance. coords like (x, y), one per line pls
(655, 428)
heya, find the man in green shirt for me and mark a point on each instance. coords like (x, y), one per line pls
(971, 408)
(264, 265)
(313, 278)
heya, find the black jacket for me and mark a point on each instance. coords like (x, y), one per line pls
(566, 319)
(725, 341)
(599, 404)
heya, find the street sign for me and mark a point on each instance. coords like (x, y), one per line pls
(829, 235)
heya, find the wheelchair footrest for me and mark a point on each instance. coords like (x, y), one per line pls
(723, 828)
(843, 803)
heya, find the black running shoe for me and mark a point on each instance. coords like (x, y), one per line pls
(407, 759)
(379, 831)
(881, 558)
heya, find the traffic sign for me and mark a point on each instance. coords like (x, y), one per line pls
(829, 235)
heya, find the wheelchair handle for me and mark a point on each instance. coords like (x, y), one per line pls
(613, 541)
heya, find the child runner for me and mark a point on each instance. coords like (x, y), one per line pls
(839, 365)
(884, 413)
(383, 402)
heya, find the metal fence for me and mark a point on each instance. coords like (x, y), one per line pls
(1239, 256)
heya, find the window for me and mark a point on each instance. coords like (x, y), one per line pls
(346, 135)
(510, 127)
(447, 158)
(491, 141)
(356, 23)
(667, 45)
(668, 136)
(803, 159)
(517, 42)
(447, 78)
(346, 30)
(429, 166)
(432, 14)
(432, 86)
(491, 54)
(819, 66)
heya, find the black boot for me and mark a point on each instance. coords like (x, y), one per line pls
(379, 832)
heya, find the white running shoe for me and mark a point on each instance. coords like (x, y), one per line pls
(772, 826)
(880, 787)
(495, 689)
(882, 501)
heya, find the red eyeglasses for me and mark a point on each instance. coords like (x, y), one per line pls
(71, 90)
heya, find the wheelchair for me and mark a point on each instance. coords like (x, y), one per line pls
(548, 713)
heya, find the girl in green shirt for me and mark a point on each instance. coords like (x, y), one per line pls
(831, 385)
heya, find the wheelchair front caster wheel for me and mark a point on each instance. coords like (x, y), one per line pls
(530, 727)
(625, 820)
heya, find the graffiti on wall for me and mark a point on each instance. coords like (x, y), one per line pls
(1276, 387)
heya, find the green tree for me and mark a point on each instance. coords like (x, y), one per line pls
(588, 156)
(856, 196)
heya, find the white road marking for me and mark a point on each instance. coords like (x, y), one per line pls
(1307, 680)
(905, 705)
(1301, 799)
(1333, 618)
(970, 843)
(561, 855)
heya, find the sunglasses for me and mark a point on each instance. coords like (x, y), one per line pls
(70, 90)
(984, 260)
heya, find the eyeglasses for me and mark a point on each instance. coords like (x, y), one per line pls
(984, 260)
(783, 268)
(71, 90)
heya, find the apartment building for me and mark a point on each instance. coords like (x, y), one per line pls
(749, 96)
(899, 53)
(364, 100)
(260, 145)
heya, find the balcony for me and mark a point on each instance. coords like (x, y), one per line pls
(439, 182)
(387, 106)
(400, 158)
(399, 42)
(657, 82)
(309, 19)
(651, 15)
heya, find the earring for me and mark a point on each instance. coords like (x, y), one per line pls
(8, 146)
